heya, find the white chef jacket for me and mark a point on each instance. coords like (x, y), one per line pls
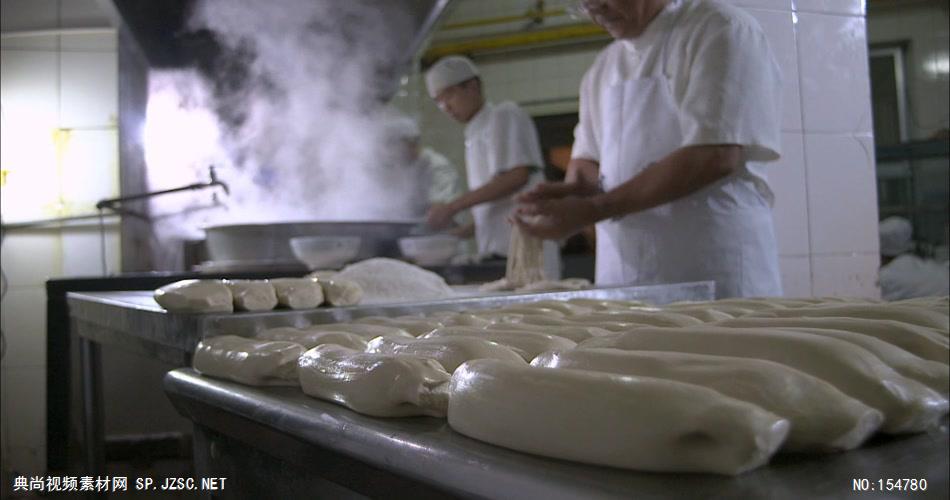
(724, 81)
(498, 138)
(908, 276)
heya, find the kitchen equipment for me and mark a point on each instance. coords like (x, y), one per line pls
(325, 252)
(249, 242)
(430, 250)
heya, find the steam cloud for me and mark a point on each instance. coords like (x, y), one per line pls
(294, 121)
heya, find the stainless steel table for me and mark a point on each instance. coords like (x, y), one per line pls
(278, 442)
(133, 321)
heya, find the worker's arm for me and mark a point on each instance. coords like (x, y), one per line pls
(679, 174)
(464, 230)
(582, 179)
(504, 184)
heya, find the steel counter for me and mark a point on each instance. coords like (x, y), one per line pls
(131, 320)
(280, 441)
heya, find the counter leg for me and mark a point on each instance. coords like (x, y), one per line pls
(90, 358)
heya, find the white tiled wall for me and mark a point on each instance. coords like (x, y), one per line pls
(50, 83)
(826, 207)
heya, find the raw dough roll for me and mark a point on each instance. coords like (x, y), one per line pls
(367, 331)
(613, 326)
(907, 405)
(298, 293)
(195, 296)
(704, 314)
(310, 338)
(567, 308)
(732, 310)
(450, 352)
(527, 344)
(572, 332)
(642, 317)
(415, 326)
(340, 292)
(923, 342)
(907, 314)
(248, 361)
(822, 417)
(607, 419)
(252, 295)
(379, 385)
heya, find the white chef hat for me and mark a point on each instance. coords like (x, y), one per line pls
(896, 236)
(449, 71)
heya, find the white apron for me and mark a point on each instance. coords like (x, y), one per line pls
(722, 232)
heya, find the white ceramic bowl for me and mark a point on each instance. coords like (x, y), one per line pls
(325, 252)
(432, 250)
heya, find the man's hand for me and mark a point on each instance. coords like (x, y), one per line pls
(556, 218)
(440, 216)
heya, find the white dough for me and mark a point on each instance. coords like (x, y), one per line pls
(450, 352)
(921, 341)
(525, 263)
(567, 308)
(907, 405)
(310, 338)
(822, 417)
(298, 293)
(389, 280)
(527, 344)
(248, 361)
(607, 419)
(379, 385)
(572, 332)
(415, 326)
(364, 330)
(340, 292)
(706, 315)
(195, 296)
(252, 295)
(654, 318)
(907, 314)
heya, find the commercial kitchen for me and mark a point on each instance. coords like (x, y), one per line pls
(252, 249)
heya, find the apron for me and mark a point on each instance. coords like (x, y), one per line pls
(722, 232)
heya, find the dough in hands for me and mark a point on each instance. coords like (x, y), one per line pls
(607, 419)
(380, 385)
(248, 361)
(823, 419)
(195, 296)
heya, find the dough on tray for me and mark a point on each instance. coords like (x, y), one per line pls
(823, 419)
(607, 419)
(366, 330)
(252, 295)
(248, 361)
(907, 405)
(195, 296)
(340, 292)
(527, 344)
(298, 293)
(312, 338)
(450, 352)
(907, 314)
(380, 385)
(388, 281)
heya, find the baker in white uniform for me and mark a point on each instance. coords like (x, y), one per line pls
(434, 178)
(502, 157)
(677, 117)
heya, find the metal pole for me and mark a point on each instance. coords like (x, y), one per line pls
(90, 359)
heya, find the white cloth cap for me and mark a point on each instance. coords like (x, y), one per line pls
(449, 71)
(896, 236)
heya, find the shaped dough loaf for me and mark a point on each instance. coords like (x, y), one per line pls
(527, 344)
(340, 292)
(248, 361)
(195, 296)
(379, 385)
(607, 419)
(298, 293)
(252, 295)
(822, 417)
(366, 331)
(907, 405)
(450, 352)
(310, 338)
(923, 342)
(907, 314)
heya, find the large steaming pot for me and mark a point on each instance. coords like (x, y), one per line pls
(270, 242)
